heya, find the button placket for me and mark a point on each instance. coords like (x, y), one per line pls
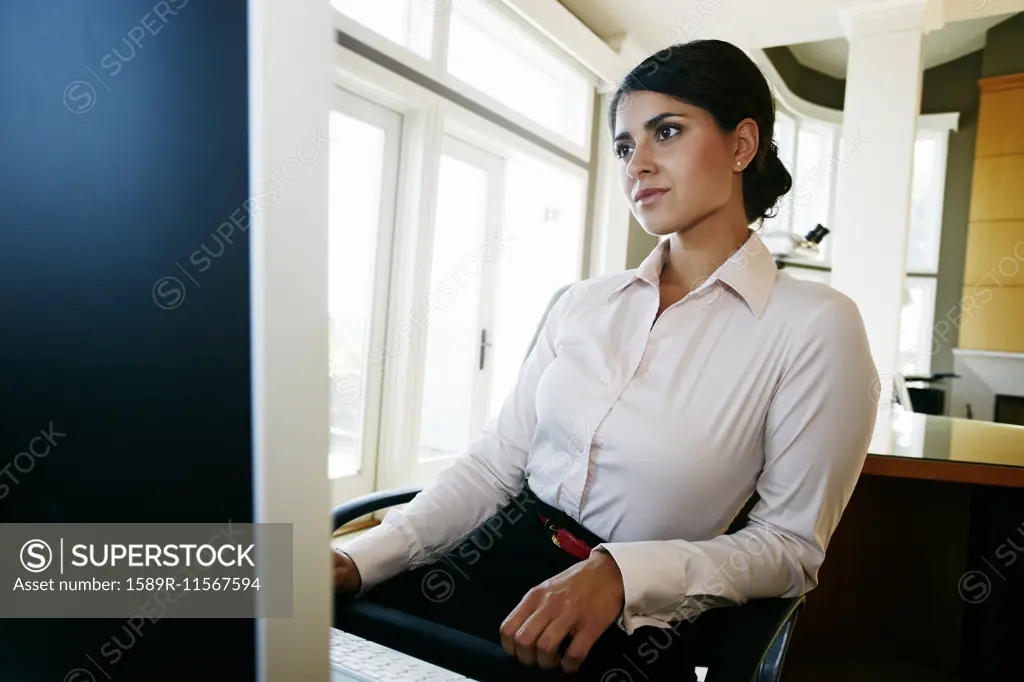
(617, 382)
(577, 477)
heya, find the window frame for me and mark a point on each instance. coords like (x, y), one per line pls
(529, 56)
(932, 126)
(371, 378)
(418, 29)
(831, 151)
(427, 118)
(922, 349)
(420, 470)
(787, 206)
(435, 68)
(936, 127)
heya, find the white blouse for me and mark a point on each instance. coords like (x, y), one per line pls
(653, 435)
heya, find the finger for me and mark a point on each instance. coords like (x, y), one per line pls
(529, 633)
(551, 640)
(510, 626)
(582, 642)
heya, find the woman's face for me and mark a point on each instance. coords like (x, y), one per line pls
(676, 164)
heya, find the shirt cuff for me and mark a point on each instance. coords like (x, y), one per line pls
(634, 562)
(379, 554)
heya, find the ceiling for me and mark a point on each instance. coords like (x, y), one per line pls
(950, 42)
(655, 24)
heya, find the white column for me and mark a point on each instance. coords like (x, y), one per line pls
(872, 212)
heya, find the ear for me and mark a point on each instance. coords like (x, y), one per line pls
(746, 141)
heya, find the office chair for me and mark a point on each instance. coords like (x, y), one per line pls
(744, 643)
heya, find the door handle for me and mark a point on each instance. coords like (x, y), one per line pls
(484, 345)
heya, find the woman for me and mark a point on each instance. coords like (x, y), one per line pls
(655, 403)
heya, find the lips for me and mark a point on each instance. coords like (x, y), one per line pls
(648, 195)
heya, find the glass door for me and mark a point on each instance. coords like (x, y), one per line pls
(363, 173)
(542, 250)
(508, 232)
(458, 327)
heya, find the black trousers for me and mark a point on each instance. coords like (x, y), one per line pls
(477, 584)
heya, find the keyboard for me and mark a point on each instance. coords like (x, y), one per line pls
(360, 660)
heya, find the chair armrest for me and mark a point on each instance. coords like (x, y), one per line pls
(735, 639)
(367, 504)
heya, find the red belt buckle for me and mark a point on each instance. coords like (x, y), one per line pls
(566, 540)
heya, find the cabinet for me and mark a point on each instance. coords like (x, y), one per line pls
(992, 314)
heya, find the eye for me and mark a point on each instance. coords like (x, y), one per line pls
(659, 133)
(620, 149)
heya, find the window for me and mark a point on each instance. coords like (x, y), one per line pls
(785, 137)
(360, 222)
(812, 181)
(926, 194)
(785, 140)
(808, 150)
(917, 318)
(491, 52)
(809, 274)
(462, 266)
(507, 233)
(350, 280)
(409, 23)
(449, 230)
(486, 52)
(542, 251)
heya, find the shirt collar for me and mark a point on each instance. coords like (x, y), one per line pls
(750, 272)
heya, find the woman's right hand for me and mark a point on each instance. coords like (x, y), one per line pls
(345, 573)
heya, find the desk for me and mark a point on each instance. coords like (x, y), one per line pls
(920, 581)
(921, 446)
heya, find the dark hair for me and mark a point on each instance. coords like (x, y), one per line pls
(720, 78)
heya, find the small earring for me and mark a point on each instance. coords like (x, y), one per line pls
(738, 163)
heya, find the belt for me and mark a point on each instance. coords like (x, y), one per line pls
(565, 540)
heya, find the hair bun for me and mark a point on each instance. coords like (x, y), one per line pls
(764, 184)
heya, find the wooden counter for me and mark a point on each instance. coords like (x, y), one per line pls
(919, 574)
(926, 447)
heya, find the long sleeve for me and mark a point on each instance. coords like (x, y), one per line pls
(469, 490)
(818, 428)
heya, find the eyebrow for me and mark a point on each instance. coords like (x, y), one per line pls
(650, 125)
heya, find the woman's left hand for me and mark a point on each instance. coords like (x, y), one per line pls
(580, 602)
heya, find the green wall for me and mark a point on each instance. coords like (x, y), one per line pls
(811, 85)
(953, 87)
(948, 87)
(1004, 49)
(640, 244)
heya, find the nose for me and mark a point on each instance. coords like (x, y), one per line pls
(640, 162)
